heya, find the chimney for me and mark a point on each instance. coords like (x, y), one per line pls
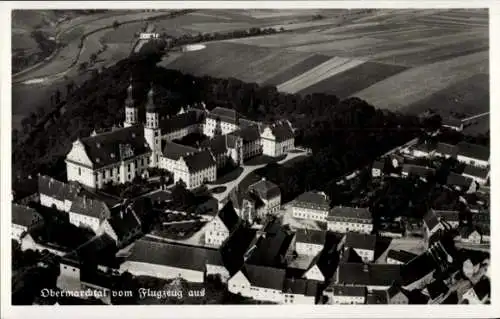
(365, 268)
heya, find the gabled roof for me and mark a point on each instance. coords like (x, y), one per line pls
(353, 291)
(99, 250)
(180, 121)
(147, 250)
(300, 287)
(91, 207)
(51, 187)
(378, 165)
(234, 248)
(219, 144)
(248, 134)
(24, 215)
(418, 170)
(425, 147)
(351, 256)
(447, 215)
(225, 115)
(368, 275)
(116, 145)
(431, 220)
(360, 241)
(312, 200)
(447, 149)
(199, 161)
(175, 151)
(466, 231)
(475, 256)
(476, 171)
(458, 180)
(377, 297)
(229, 217)
(436, 289)
(359, 214)
(265, 189)
(124, 221)
(473, 151)
(265, 277)
(482, 288)
(310, 236)
(417, 268)
(394, 290)
(253, 198)
(401, 255)
(282, 131)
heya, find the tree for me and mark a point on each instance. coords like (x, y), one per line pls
(93, 58)
(116, 24)
(57, 97)
(82, 67)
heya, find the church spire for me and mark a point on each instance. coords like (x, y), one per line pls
(150, 106)
(129, 102)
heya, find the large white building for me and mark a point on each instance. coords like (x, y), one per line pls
(472, 154)
(345, 219)
(309, 242)
(277, 139)
(364, 245)
(311, 205)
(221, 226)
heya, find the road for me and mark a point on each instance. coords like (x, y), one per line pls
(475, 117)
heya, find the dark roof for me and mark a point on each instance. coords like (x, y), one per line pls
(300, 287)
(312, 200)
(116, 145)
(368, 275)
(475, 256)
(229, 216)
(360, 241)
(24, 216)
(436, 289)
(265, 277)
(248, 134)
(351, 256)
(218, 144)
(452, 299)
(342, 290)
(254, 198)
(378, 165)
(447, 215)
(473, 151)
(466, 231)
(451, 121)
(99, 250)
(401, 255)
(234, 248)
(175, 151)
(476, 171)
(444, 148)
(147, 250)
(358, 214)
(150, 104)
(430, 219)
(56, 189)
(482, 288)
(417, 268)
(180, 121)
(225, 115)
(92, 207)
(425, 147)
(394, 289)
(418, 170)
(123, 221)
(458, 180)
(377, 297)
(199, 161)
(96, 278)
(282, 131)
(244, 123)
(265, 189)
(310, 236)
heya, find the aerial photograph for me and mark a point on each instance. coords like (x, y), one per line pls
(250, 157)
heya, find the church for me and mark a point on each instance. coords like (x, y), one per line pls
(120, 154)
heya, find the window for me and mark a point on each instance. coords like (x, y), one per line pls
(79, 171)
(129, 166)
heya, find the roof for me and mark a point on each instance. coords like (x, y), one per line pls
(401, 255)
(282, 131)
(219, 144)
(482, 288)
(91, 207)
(425, 147)
(458, 180)
(418, 170)
(312, 200)
(56, 189)
(248, 134)
(394, 289)
(225, 115)
(176, 255)
(265, 277)
(475, 256)
(351, 213)
(436, 289)
(447, 215)
(116, 145)
(24, 215)
(265, 189)
(368, 275)
(123, 221)
(175, 151)
(310, 236)
(229, 216)
(466, 231)
(99, 250)
(351, 256)
(377, 297)
(378, 165)
(417, 268)
(199, 161)
(355, 291)
(473, 151)
(360, 241)
(452, 299)
(150, 104)
(96, 278)
(431, 220)
(234, 248)
(447, 149)
(254, 198)
(180, 121)
(476, 171)
(300, 287)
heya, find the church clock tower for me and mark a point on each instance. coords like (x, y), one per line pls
(152, 131)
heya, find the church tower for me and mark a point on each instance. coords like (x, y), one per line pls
(131, 111)
(152, 131)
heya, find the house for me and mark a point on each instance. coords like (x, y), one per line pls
(309, 242)
(446, 150)
(432, 225)
(24, 220)
(196, 169)
(363, 244)
(311, 205)
(473, 261)
(418, 272)
(345, 295)
(171, 154)
(345, 219)
(253, 208)
(221, 121)
(436, 291)
(259, 282)
(167, 260)
(469, 234)
(300, 291)
(236, 246)
(221, 226)
(226, 149)
(473, 154)
(478, 174)
(180, 125)
(123, 226)
(277, 139)
(269, 193)
(453, 123)
(88, 212)
(116, 156)
(423, 150)
(479, 293)
(252, 145)
(377, 168)
(56, 193)
(416, 170)
(396, 295)
(371, 276)
(399, 257)
(460, 182)
(377, 297)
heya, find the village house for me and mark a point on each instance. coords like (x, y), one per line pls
(311, 205)
(221, 121)
(474, 261)
(253, 208)
(478, 174)
(397, 295)
(309, 242)
(418, 272)
(226, 149)
(88, 212)
(363, 244)
(250, 136)
(432, 225)
(469, 234)
(269, 193)
(56, 193)
(460, 183)
(221, 226)
(445, 150)
(277, 139)
(345, 295)
(450, 218)
(479, 293)
(24, 220)
(371, 276)
(343, 219)
(399, 257)
(300, 291)
(165, 260)
(377, 168)
(422, 150)
(124, 224)
(472, 154)
(258, 282)
(416, 170)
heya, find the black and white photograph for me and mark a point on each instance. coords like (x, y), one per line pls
(248, 156)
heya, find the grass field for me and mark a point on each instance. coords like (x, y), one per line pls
(297, 69)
